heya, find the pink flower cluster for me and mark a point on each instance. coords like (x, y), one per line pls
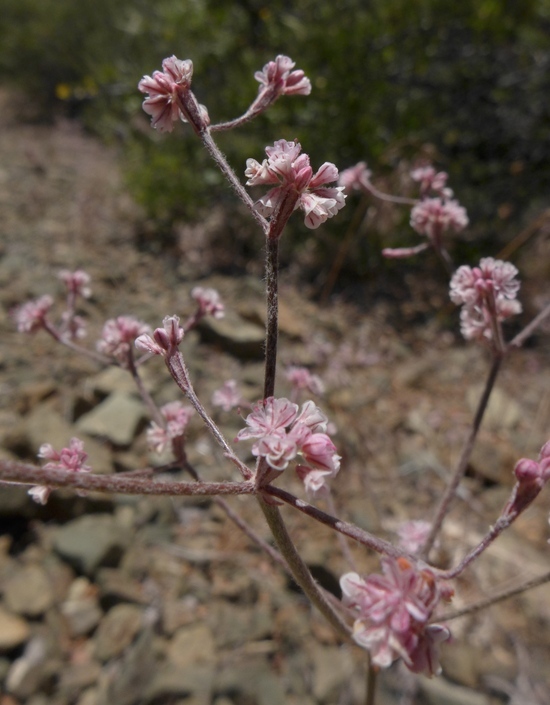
(228, 396)
(72, 458)
(355, 178)
(434, 216)
(165, 89)
(292, 173)
(283, 432)
(432, 180)
(177, 417)
(277, 78)
(118, 334)
(30, 317)
(164, 340)
(209, 302)
(302, 379)
(77, 282)
(487, 294)
(394, 611)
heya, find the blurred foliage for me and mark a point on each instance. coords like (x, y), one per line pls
(467, 83)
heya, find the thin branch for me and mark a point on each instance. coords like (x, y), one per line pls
(530, 328)
(23, 473)
(354, 532)
(499, 597)
(464, 459)
(300, 571)
(272, 323)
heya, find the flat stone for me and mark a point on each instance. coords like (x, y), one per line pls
(91, 541)
(29, 591)
(81, 608)
(117, 631)
(235, 335)
(439, 691)
(117, 418)
(190, 645)
(14, 631)
(332, 667)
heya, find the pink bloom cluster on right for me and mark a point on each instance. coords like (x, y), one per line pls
(394, 612)
(487, 294)
(283, 432)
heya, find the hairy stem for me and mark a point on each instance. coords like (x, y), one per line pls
(272, 323)
(22, 473)
(462, 464)
(300, 571)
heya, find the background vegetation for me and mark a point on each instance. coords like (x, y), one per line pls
(466, 84)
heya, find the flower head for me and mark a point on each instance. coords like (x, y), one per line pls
(31, 316)
(431, 180)
(434, 216)
(209, 301)
(355, 178)
(277, 78)
(303, 380)
(163, 89)
(284, 435)
(487, 294)
(177, 417)
(71, 458)
(118, 335)
(164, 339)
(167, 89)
(77, 282)
(227, 396)
(292, 173)
(393, 613)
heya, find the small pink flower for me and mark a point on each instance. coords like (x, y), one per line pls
(488, 295)
(292, 172)
(278, 451)
(431, 180)
(320, 452)
(315, 480)
(470, 285)
(270, 417)
(118, 334)
(72, 458)
(311, 416)
(164, 339)
(74, 327)
(413, 535)
(303, 380)
(31, 316)
(177, 418)
(163, 88)
(209, 302)
(77, 282)
(393, 613)
(277, 78)
(227, 396)
(531, 477)
(355, 178)
(434, 216)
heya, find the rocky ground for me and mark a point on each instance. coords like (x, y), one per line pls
(164, 602)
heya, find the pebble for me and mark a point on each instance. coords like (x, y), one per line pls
(29, 591)
(117, 631)
(117, 419)
(14, 630)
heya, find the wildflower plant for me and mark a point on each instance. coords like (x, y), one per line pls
(397, 613)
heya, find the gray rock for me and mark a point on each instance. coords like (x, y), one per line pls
(14, 631)
(254, 679)
(439, 691)
(29, 591)
(81, 608)
(117, 631)
(191, 645)
(332, 667)
(91, 541)
(235, 335)
(169, 681)
(117, 418)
